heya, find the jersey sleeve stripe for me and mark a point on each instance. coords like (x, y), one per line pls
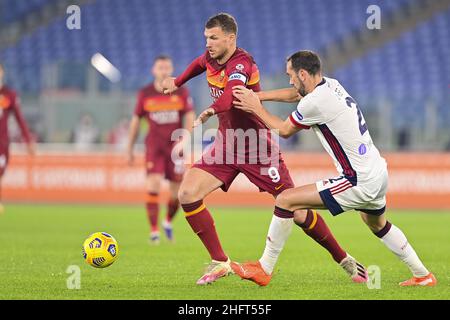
(299, 116)
(298, 124)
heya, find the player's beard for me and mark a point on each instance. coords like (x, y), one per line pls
(301, 89)
(220, 57)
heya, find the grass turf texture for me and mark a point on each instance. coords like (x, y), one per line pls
(39, 242)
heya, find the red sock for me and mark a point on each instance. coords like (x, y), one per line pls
(315, 227)
(172, 208)
(152, 210)
(203, 225)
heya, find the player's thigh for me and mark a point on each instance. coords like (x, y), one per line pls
(153, 182)
(196, 185)
(174, 187)
(303, 197)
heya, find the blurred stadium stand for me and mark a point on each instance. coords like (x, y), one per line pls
(404, 84)
(14, 10)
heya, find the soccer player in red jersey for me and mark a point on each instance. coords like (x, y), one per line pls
(9, 104)
(227, 66)
(164, 114)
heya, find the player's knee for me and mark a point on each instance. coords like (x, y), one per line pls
(187, 194)
(300, 216)
(283, 201)
(374, 223)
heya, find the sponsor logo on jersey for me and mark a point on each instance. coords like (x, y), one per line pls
(279, 187)
(238, 76)
(215, 93)
(165, 103)
(239, 67)
(362, 149)
(165, 117)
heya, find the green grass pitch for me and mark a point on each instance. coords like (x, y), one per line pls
(39, 242)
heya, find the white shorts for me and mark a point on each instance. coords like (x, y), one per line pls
(342, 194)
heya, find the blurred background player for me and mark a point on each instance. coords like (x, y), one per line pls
(228, 66)
(9, 103)
(164, 114)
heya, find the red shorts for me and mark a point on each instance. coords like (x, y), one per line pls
(4, 157)
(269, 178)
(160, 161)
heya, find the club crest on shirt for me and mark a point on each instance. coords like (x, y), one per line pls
(222, 75)
(240, 67)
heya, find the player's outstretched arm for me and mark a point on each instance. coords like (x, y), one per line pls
(248, 101)
(194, 69)
(168, 85)
(288, 95)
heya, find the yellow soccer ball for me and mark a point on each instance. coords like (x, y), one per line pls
(100, 250)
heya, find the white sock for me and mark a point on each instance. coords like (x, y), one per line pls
(396, 241)
(279, 231)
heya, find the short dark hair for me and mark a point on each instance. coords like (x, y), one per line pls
(162, 57)
(223, 20)
(307, 60)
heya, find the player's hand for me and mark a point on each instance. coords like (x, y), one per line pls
(247, 100)
(178, 148)
(204, 116)
(31, 149)
(169, 86)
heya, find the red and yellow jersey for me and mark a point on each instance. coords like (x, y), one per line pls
(163, 113)
(240, 69)
(240, 66)
(9, 104)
